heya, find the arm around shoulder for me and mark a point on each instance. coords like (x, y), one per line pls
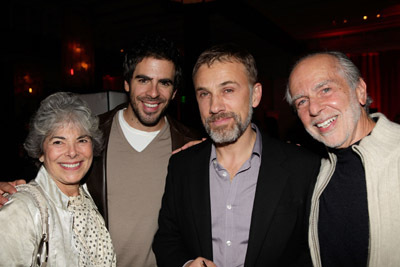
(9, 188)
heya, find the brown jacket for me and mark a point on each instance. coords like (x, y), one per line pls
(96, 177)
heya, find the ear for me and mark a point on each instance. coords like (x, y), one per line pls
(126, 86)
(361, 92)
(257, 93)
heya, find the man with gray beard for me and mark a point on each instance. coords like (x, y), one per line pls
(241, 198)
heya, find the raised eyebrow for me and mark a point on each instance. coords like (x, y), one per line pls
(57, 137)
(141, 76)
(63, 138)
(228, 83)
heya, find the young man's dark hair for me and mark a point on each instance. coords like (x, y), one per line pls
(152, 46)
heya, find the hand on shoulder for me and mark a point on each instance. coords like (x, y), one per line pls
(8, 187)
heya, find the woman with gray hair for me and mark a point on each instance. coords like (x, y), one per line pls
(63, 138)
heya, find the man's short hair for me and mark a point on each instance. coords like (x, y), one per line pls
(155, 47)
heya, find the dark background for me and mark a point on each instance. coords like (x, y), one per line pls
(42, 41)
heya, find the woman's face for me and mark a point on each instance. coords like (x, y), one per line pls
(67, 156)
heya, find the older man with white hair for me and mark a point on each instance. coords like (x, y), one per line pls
(355, 210)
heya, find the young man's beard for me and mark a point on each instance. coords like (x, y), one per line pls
(151, 120)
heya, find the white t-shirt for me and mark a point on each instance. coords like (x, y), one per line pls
(136, 138)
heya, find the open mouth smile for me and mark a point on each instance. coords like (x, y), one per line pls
(70, 165)
(326, 123)
(151, 105)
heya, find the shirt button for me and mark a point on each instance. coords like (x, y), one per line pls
(224, 174)
(228, 243)
(229, 206)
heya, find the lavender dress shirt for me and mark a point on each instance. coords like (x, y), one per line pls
(232, 205)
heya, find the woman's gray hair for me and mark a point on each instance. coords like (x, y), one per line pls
(346, 68)
(56, 110)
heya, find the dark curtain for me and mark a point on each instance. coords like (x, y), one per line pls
(381, 72)
(390, 81)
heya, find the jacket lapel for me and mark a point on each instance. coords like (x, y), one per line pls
(271, 181)
(200, 199)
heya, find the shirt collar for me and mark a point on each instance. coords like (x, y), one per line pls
(51, 189)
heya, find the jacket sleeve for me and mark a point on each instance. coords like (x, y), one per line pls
(168, 244)
(20, 230)
(313, 171)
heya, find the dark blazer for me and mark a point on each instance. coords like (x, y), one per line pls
(96, 178)
(278, 230)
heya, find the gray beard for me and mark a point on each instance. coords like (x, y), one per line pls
(226, 136)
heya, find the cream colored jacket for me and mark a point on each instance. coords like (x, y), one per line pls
(21, 227)
(380, 155)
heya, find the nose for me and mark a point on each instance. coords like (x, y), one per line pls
(216, 104)
(71, 151)
(153, 91)
(315, 107)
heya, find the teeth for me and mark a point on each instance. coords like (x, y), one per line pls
(326, 123)
(70, 165)
(150, 105)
